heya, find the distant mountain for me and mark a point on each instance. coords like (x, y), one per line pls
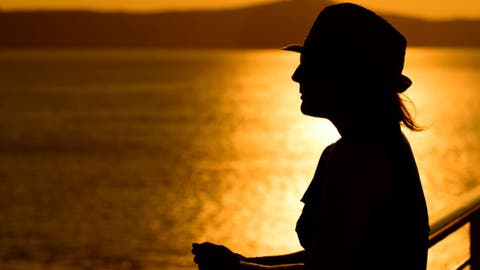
(263, 26)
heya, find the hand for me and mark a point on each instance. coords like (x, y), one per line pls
(210, 256)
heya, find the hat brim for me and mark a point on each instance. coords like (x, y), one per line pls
(293, 48)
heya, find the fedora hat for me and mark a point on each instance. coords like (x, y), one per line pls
(365, 45)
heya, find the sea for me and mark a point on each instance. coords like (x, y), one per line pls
(121, 159)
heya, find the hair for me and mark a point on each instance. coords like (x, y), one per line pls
(387, 104)
(402, 113)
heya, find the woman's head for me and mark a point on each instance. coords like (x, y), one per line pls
(352, 62)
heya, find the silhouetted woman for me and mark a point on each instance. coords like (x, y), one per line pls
(365, 207)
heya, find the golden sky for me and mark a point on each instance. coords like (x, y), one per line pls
(422, 8)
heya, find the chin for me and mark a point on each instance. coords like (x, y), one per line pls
(311, 111)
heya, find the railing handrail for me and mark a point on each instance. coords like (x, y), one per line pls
(443, 231)
(454, 217)
(450, 219)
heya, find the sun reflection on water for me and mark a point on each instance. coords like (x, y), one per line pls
(261, 203)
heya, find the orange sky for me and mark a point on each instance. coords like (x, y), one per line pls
(423, 8)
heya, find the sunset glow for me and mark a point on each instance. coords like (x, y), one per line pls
(428, 8)
(131, 130)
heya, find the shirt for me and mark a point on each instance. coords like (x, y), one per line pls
(396, 232)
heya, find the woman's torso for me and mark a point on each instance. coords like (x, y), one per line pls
(396, 232)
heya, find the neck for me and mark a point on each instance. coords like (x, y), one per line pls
(357, 127)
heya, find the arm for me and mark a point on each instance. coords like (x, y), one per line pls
(292, 258)
(212, 256)
(253, 266)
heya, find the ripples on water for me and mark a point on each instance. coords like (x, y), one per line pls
(121, 159)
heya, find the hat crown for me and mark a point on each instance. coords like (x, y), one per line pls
(353, 35)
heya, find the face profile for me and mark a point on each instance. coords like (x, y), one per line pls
(317, 88)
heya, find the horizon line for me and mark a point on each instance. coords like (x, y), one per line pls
(212, 9)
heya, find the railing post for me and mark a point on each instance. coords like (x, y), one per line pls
(475, 241)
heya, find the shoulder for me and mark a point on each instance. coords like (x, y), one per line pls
(362, 165)
(360, 153)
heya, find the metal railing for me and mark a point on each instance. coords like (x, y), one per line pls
(466, 210)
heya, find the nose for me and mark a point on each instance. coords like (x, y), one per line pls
(296, 77)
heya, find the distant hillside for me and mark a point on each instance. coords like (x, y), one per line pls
(263, 26)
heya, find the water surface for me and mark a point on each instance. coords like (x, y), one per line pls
(120, 159)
